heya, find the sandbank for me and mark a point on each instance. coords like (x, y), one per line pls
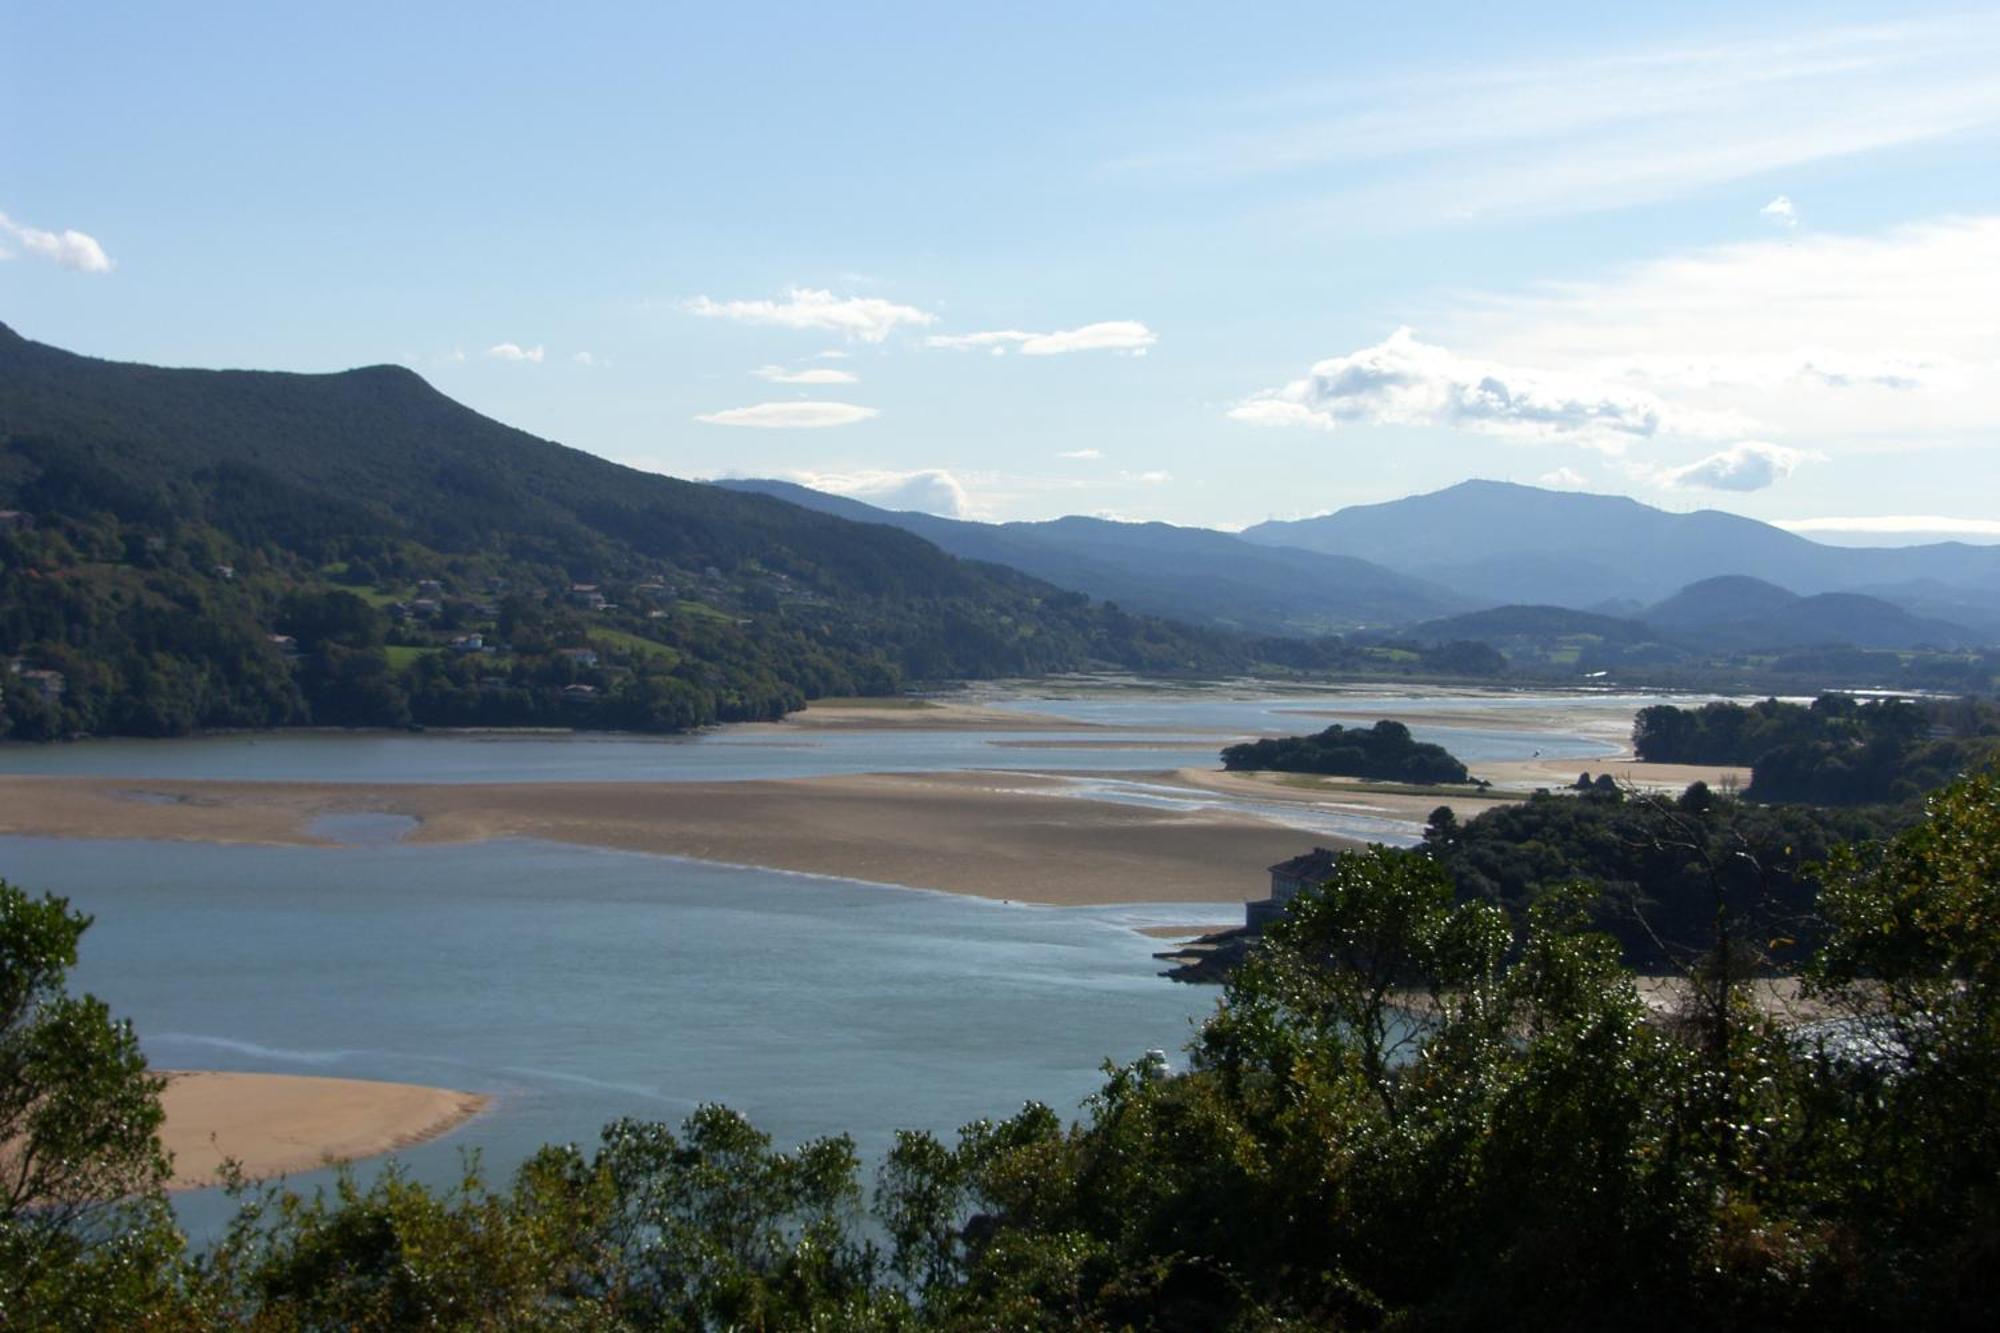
(1348, 795)
(915, 715)
(993, 835)
(279, 1124)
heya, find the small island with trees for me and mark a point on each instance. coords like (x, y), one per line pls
(1385, 752)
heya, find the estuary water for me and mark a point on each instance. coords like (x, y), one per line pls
(575, 985)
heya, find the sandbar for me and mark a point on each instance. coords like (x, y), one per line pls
(915, 715)
(280, 1124)
(1013, 836)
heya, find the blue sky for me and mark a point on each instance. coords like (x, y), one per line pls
(1209, 264)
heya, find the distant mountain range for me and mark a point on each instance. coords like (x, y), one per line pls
(1496, 562)
(1191, 574)
(1497, 542)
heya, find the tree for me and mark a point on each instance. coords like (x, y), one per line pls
(82, 1172)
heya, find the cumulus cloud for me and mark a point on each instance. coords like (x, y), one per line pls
(1749, 466)
(1564, 479)
(815, 375)
(1781, 211)
(868, 318)
(1115, 335)
(928, 490)
(1081, 454)
(68, 248)
(515, 352)
(790, 416)
(1402, 381)
(1838, 339)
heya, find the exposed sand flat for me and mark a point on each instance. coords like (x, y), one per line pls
(278, 1124)
(915, 715)
(1012, 836)
(1353, 795)
(1528, 774)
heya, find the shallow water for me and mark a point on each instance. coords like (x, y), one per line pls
(576, 986)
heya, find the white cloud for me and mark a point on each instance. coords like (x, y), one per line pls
(583, 358)
(1861, 340)
(515, 352)
(1603, 130)
(67, 248)
(1781, 211)
(1081, 454)
(1115, 335)
(929, 491)
(1402, 381)
(1915, 525)
(790, 416)
(867, 318)
(1564, 479)
(1750, 466)
(830, 354)
(1155, 478)
(819, 375)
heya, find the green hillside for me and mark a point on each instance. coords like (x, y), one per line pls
(425, 564)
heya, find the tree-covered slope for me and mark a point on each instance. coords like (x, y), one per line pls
(1192, 574)
(180, 536)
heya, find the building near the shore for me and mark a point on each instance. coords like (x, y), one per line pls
(1306, 871)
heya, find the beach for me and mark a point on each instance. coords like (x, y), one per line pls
(281, 1124)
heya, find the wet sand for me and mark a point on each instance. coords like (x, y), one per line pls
(914, 715)
(991, 835)
(280, 1124)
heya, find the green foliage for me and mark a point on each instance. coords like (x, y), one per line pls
(1410, 1111)
(1836, 751)
(84, 1238)
(1384, 751)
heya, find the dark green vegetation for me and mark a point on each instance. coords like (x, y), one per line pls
(1384, 751)
(1410, 1111)
(1662, 866)
(1835, 751)
(176, 520)
(1191, 574)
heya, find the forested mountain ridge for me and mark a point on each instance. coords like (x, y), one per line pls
(202, 548)
(1192, 574)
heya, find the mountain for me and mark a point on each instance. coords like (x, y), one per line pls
(1734, 611)
(165, 524)
(1507, 543)
(1192, 574)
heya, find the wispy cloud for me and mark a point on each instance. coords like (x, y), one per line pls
(1750, 466)
(1081, 454)
(68, 248)
(1564, 479)
(515, 352)
(790, 416)
(1116, 335)
(1914, 525)
(1606, 130)
(867, 318)
(1824, 338)
(813, 375)
(583, 358)
(1781, 211)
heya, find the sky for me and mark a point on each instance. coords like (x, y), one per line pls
(1195, 263)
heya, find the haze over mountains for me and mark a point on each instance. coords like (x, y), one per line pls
(1499, 543)
(1191, 574)
(1496, 561)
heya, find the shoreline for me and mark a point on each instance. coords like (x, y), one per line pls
(282, 1124)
